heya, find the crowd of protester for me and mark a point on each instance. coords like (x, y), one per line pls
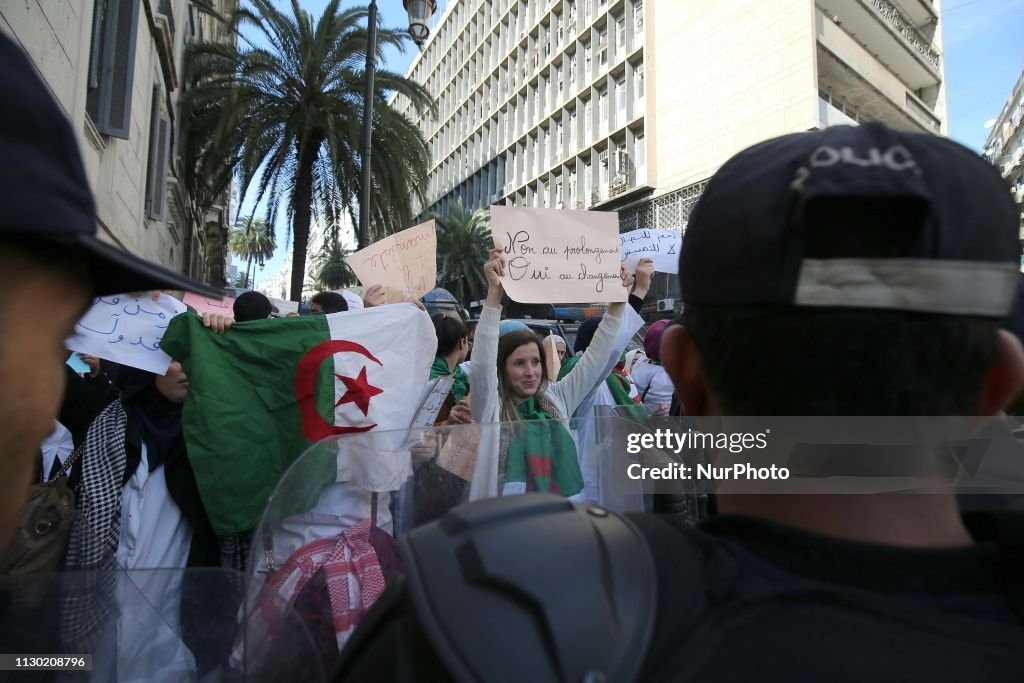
(773, 339)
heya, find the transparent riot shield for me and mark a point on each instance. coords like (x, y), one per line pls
(326, 540)
(149, 625)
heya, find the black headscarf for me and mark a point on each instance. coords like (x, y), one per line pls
(157, 419)
(585, 334)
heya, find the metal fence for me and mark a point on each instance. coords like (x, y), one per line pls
(668, 212)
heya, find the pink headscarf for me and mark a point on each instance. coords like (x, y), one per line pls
(652, 340)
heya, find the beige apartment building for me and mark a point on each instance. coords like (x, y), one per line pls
(631, 105)
(1005, 147)
(116, 68)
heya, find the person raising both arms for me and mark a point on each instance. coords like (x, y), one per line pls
(509, 385)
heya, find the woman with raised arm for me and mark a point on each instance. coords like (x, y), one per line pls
(509, 385)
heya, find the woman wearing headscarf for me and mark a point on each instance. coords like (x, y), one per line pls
(652, 381)
(509, 385)
(138, 508)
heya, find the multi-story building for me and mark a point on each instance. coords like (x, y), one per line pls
(116, 68)
(1005, 147)
(631, 105)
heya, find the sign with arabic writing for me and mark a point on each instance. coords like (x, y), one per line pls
(205, 304)
(662, 246)
(553, 255)
(404, 263)
(127, 329)
(432, 400)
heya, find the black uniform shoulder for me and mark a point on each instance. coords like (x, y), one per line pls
(523, 588)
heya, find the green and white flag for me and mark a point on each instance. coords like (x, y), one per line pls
(264, 391)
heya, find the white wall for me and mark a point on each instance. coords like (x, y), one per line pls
(726, 74)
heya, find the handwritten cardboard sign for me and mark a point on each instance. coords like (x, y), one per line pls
(458, 454)
(662, 246)
(432, 401)
(127, 329)
(404, 263)
(205, 304)
(565, 256)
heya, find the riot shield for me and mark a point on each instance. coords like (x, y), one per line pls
(148, 625)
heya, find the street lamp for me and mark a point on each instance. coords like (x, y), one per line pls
(420, 12)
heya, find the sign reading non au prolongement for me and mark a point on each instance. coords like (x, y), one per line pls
(661, 246)
(404, 263)
(555, 255)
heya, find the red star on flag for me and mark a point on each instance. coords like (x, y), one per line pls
(358, 391)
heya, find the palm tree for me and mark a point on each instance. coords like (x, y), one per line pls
(252, 239)
(332, 268)
(463, 238)
(288, 117)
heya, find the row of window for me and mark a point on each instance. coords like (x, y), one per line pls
(581, 182)
(111, 80)
(452, 83)
(590, 53)
(579, 124)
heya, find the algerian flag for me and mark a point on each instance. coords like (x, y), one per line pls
(264, 391)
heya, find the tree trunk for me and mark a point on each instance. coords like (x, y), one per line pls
(248, 265)
(302, 202)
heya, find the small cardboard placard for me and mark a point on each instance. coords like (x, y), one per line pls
(404, 263)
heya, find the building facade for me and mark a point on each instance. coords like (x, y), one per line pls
(116, 69)
(1005, 147)
(631, 105)
(278, 286)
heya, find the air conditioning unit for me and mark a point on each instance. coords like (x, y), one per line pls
(666, 305)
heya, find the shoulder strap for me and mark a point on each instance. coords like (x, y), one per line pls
(583, 611)
(68, 463)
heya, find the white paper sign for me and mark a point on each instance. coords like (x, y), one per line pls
(128, 330)
(568, 256)
(663, 246)
(432, 401)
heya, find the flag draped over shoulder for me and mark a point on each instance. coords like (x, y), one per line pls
(264, 391)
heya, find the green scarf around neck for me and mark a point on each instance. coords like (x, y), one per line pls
(461, 385)
(543, 454)
(617, 384)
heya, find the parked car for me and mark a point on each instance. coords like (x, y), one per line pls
(440, 300)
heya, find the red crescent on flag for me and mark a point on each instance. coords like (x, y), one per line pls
(314, 426)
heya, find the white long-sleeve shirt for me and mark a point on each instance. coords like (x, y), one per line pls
(565, 395)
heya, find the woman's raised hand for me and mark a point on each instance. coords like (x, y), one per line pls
(494, 269)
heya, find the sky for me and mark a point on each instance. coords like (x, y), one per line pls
(983, 54)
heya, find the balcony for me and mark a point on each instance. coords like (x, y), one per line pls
(850, 75)
(888, 34)
(906, 29)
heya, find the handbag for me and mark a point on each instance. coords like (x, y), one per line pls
(41, 539)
